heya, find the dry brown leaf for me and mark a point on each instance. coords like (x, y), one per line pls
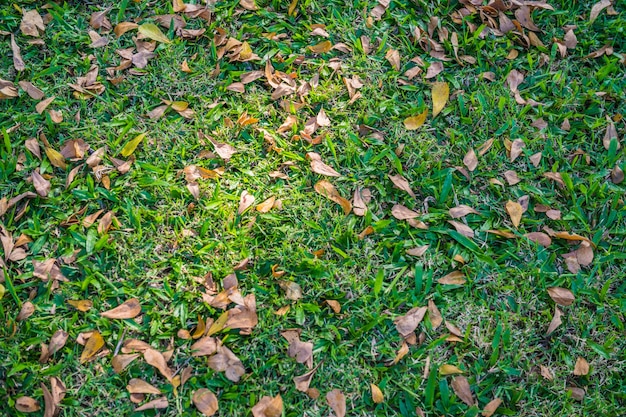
(139, 386)
(377, 394)
(434, 315)
(337, 402)
(461, 211)
(32, 23)
(93, 345)
(577, 393)
(446, 369)
(514, 79)
(56, 158)
(470, 160)
(57, 341)
(440, 93)
(27, 405)
(224, 150)
(360, 200)
(81, 305)
(406, 325)
(127, 310)
(434, 69)
(205, 401)
(301, 351)
(26, 311)
(462, 389)
(515, 211)
(393, 56)
(268, 407)
(582, 367)
(245, 201)
(266, 205)
(155, 404)
(322, 119)
(453, 278)
(321, 47)
(546, 372)
(400, 182)
(42, 185)
(540, 238)
(123, 27)
(516, 149)
(334, 305)
(156, 359)
(248, 5)
(462, 228)
(42, 105)
(18, 62)
(120, 362)
(329, 191)
(415, 122)
(304, 381)
(321, 168)
(609, 135)
(418, 251)
(597, 8)
(561, 296)
(491, 407)
(556, 321)
(401, 212)
(293, 291)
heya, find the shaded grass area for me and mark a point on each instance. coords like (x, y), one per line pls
(167, 241)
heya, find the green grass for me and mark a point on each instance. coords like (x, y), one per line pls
(167, 241)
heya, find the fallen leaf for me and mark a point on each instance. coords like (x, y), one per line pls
(121, 361)
(582, 367)
(406, 325)
(561, 296)
(491, 407)
(301, 351)
(18, 62)
(434, 315)
(127, 310)
(514, 79)
(609, 135)
(462, 228)
(321, 47)
(540, 238)
(334, 305)
(515, 211)
(26, 311)
(337, 402)
(516, 149)
(470, 160)
(329, 191)
(248, 5)
(152, 31)
(156, 359)
(556, 321)
(123, 27)
(293, 291)
(130, 147)
(418, 251)
(321, 168)
(205, 401)
(42, 105)
(32, 23)
(576, 393)
(453, 278)
(360, 200)
(304, 381)
(158, 403)
(393, 56)
(597, 8)
(449, 370)
(27, 405)
(401, 212)
(57, 341)
(546, 373)
(268, 407)
(80, 305)
(139, 386)
(415, 122)
(377, 394)
(322, 119)
(42, 185)
(462, 389)
(266, 205)
(400, 182)
(245, 201)
(93, 345)
(440, 92)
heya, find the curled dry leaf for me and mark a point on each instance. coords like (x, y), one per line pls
(304, 381)
(27, 405)
(301, 351)
(156, 359)
(139, 386)
(393, 56)
(377, 394)
(329, 191)
(293, 291)
(440, 92)
(42, 185)
(561, 296)
(360, 200)
(418, 251)
(461, 211)
(540, 238)
(597, 8)
(517, 147)
(268, 407)
(461, 387)
(582, 367)
(556, 321)
(158, 403)
(453, 278)
(462, 228)
(401, 212)
(491, 407)
(127, 310)
(26, 311)
(226, 361)
(204, 347)
(406, 325)
(337, 402)
(434, 315)
(245, 201)
(266, 205)
(470, 160)
(321, 168)
(57, 341)
(92, 346)
(32, 23)
(121, 361)
(400, 182)
(205, 401)
(546, 372)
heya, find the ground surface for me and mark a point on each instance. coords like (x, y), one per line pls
(502, 212)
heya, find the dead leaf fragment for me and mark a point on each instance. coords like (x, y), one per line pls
(418, 251)
(127, 310)
(156, 359)
(597, 8)
(304, 381)
(121, 361)
(434, 315)
(337, 402)
(556, 321)
(582, 367)
(576, 393)
(447, 369)
(561, 296)
(393, 56)
(32, 24)
(18, 62)
(406, 325)
(453, 278)
(205, 401)
(93, 345)
(266, 205)
(461, 211)
(27, 405)
(42, 185)
(440, 93)
(470, 160)
(462, 389)
(152, 31)
(139, 386)
(245, 201)
(26, 311)
(81, 305)
(158, 403)
(401, 212)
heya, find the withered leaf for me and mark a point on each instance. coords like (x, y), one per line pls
(377, 394)
(27, 405)
(123, 27)
(304, 381)
(462, 228)
(609, 135)
(329, 191)
(32, 23)
(393, 56)
(462, 388)
(597, 8)
(491, 407)
(470, 160)
(266, 205)
(515, 211)
(127, 310)
(514, 79)
(121, 361)
(453, 278)
(57, 341)
(205, 401)
(415, 122)
(293, 291)
(42, 105)
(516, 149)
(18, 62)
(418, 251)
(582, 367)
(321, 47)
(400, 182)
(577, 393)
(540, 238)
(446, 369)
(359, 203)
(556, 321)
(440, 92)
(406, 325)
(139, 386)
(461, 211)
(204, 347)
(152, 31)
(337, 402)
(80, 305)
(93, 345)
(42, 185)
(245, 201)
(434, 315)
(401, 212)
(26, 311)
(155, 358)
(158, 403)
(404, 349)
(561, 296)
(268, 407)
(321, 168)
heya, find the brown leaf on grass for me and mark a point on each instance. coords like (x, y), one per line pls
(434, 69)
(32, 24)
(453, 278)
(139, 386)
(155, 358)
(268, 407)
(226, 361)
(470, 160)
(556, 321)
(42, 105)
(266, 205)
(50, 408)
(360, 200)
(27, 405)
(18, 62)
(92, 346)
(26, 311)
(127, 310)
(597, 8)
(609, 135)
(561, 296)
(462, 389)
(81, 305)
(121, 361)
(418, 251)
(491, 407)
(224, 150)
(440, 93)
(155, 404)
(57, 341)
(243, 317)
(515, 211)
(584, 254)
(55, 157)
(511, 177)
(7, 90)
(206, 346)
(582, 367)
(248, 5)
(540, 238)
(402, 352)
(322, 119)
(329, 191)
(33, 146)
(434, 315)
(301, 351)
(377, 394)
(337, 402)
(393, 56)
(577, 393)
(123, 27)
(320, 167)
(293, 291)
(514, 79)
(516, 149)
(321, 47)
(304, 381)
(525, 19)
(546, 372)
(406, 325)
(99, 20)
(401, 212)
(446, 369)
(415, 122)
(42, 185)
(461, 211)
(205, 401)
(401, 183)
(462, 228)
(245, 201)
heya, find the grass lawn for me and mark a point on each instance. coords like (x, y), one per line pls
(426, 196)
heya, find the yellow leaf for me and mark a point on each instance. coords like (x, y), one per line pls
(56, 158)
(292, 8)
(152, 31)
(93, 345)
(515, 211)
(377, 394)
(414, 122)
(440, 92)
(321, 47)
(130, 147)
(449, 370)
